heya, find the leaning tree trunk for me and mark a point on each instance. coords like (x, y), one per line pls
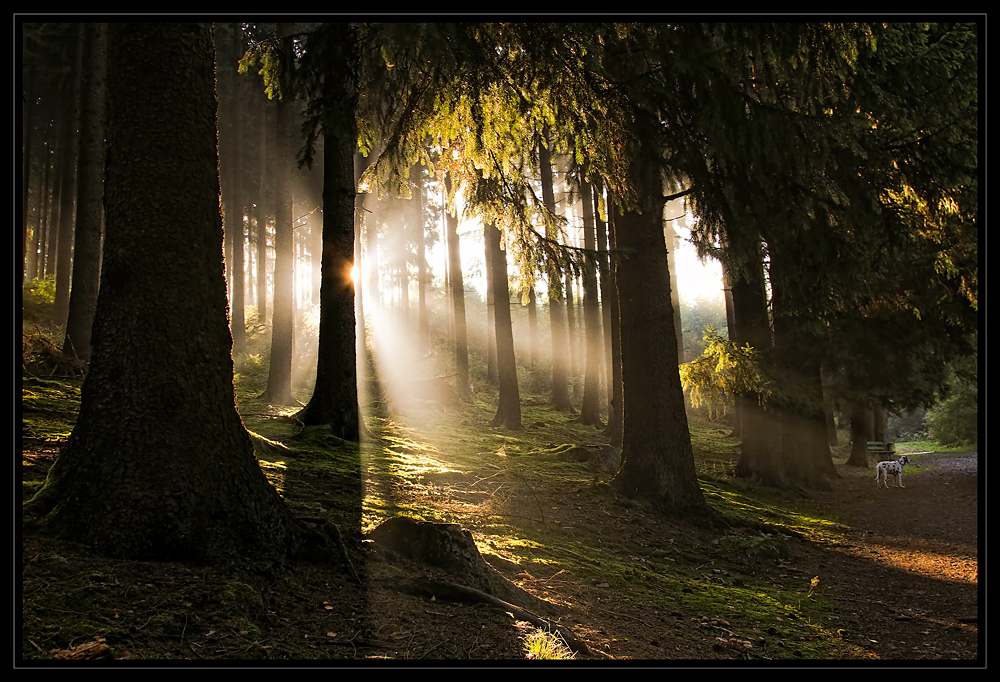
(657, 459)
(159, 464)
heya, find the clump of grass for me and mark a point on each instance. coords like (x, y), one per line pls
(545, 645)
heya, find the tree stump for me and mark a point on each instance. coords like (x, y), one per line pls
(449, 547)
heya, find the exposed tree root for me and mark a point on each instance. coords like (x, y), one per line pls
(449, 547)
(460, 593)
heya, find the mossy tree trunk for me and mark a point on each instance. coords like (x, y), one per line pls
(159, 464)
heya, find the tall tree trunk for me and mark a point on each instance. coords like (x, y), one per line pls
(159, 464)
(509, 405)
(234, 214)
(590, 409)
(804, 442)
(267, 113)
(458, 303)
(879, 431)
(557, 312)
(760, 453)
(27, 158)
(491, 339)
(335, 396)
(657, 459)
(279, 374)
(670, 235)
(860, 434)
(612, 322)
(423, 319)
(371, 255)
(728, 278)
(572, 332)
(533, 340)
(90, 194)
(68, 162)
(45, 266)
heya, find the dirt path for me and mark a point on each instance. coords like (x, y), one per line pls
(909, 565)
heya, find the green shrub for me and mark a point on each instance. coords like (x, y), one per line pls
(38, 298)
(955, 420)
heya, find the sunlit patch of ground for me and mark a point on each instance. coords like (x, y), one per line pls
(927, 562)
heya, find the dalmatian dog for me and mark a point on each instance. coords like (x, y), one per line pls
(893, 468)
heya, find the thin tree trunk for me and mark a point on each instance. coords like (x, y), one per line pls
(860, 435)
(671, 239)
(90, 194)
(279, 375)
(509, 405)
(533, 341)
(263, 204)
(234, 216)
(614, 357)
(423, 318)
(458, 303)
(68, 162)
(557, 312)
(590, 412)
(731, 327)
(491, 339)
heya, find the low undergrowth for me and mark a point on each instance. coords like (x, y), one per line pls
(553, 525)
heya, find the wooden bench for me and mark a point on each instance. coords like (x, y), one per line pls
(881, 450)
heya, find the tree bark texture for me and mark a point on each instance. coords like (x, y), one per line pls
(335, 396)
(657, 459)
(159, 464)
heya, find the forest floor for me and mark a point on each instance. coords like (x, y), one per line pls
(852, 575)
